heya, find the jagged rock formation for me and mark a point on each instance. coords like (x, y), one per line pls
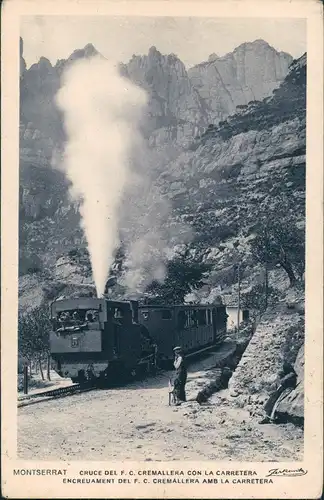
(266, 352)
(250, 73)
(38, 87)
(293, 404)
(181, 103)
(248, 162)
(279, 337)
(217, 185)
(175, 107)
(22, 60)
(88, 51)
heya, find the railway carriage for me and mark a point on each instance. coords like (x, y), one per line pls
(194, 327)
(96, 339)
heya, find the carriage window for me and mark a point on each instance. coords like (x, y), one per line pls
(166, 314)
(201, 314)
(209, 317)
(191, 318)
(181, 320)
(194, 318)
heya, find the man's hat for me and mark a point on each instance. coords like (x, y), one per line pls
(178, 348)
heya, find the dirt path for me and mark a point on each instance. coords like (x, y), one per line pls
(135, 422)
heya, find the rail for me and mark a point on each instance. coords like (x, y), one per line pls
(74, 388)
(61, 391)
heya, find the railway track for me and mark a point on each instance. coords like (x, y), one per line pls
(54, 393)
(80, 388)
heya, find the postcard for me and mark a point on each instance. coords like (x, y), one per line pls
(162, 249)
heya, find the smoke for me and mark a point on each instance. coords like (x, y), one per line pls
(149, 232)
(102, 116)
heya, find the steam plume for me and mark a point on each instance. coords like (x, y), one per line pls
(148, 232)
(102, 114)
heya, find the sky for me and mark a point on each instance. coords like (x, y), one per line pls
(192, 39)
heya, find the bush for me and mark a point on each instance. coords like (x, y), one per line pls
(294, 340)
(74, 253)
(256, 299)
(33, 335)
(183, 276)
(51, 292)
(280, 242)
(29, 264)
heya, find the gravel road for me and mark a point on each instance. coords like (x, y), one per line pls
(135, 422)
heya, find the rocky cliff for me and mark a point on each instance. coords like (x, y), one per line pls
(177, 113)
(278, 337)
(218, 182)
(251, 163)
(176, 110)
(181, 103)
(250, 73)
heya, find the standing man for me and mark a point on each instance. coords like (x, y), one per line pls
(181, 376)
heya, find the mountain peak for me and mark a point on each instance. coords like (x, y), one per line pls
(213, 57)
(43, 65)
(90, 49)
(259, 44)
(256, 43)
(153, 50)
(153, 53)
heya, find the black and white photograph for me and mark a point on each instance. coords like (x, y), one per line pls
(162, 247)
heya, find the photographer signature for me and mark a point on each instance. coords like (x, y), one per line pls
(287, 472)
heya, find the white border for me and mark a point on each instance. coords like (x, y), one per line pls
(308, 486)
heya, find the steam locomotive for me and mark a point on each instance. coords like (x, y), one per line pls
(94, 339)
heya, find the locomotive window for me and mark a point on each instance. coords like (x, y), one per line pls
(92, 315)
(166, 314)
(118, 314)
(63, 316)
(145, 315)
(71, 316)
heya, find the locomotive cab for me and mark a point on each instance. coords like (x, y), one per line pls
(90, 337)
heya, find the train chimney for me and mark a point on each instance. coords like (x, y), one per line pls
(134, 307)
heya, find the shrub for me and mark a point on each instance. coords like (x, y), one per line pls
(183, 276)
(33, 335)
(29, 263)
(257, 301)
